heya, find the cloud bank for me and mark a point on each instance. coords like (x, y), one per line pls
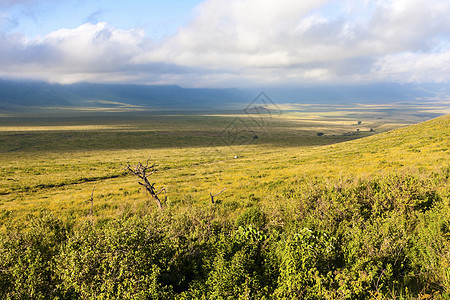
(250, 42)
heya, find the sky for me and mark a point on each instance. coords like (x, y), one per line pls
(226, 43)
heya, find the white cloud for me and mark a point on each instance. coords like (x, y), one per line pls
(94, 46)
(237, 33)
(66, 55)
(414, 67)
(299, 39)
(238, 42)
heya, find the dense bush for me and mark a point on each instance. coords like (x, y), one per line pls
(27, 264)
(350, 239)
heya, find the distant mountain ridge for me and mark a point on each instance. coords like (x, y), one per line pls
(20, 94)
(30, 93)
(363, 93)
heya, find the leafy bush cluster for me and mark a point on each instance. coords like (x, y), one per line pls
(380, 238)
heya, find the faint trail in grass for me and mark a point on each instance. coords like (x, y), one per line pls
(61, 184)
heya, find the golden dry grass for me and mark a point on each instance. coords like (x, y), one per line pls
(61, 180)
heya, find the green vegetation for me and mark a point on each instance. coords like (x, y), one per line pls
(337, 216)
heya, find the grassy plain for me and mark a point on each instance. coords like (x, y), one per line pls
(53, 163)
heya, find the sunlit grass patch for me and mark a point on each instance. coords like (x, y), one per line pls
(192, 164)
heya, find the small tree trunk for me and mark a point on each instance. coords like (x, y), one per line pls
(143, 172)
(212, 196)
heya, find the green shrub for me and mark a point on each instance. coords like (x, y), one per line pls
(123, 260)
(27, 265)
(307, 260)
(252, 216)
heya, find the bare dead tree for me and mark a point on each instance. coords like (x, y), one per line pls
(92, 202)
(212, 196)
(143, 172)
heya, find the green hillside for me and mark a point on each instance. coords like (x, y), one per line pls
(333, 219)
(413, 148)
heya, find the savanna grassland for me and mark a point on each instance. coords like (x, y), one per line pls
(318, 202)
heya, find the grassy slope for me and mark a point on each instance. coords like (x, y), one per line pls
(416, 147)
(62, 183)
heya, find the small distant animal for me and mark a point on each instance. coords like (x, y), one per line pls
(236, 156)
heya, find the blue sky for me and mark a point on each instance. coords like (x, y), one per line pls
(158, 18)
(226, 43)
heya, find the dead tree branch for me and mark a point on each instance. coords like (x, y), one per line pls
(143, 172)
(165, 198)
(212, 196)
(92, 202)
